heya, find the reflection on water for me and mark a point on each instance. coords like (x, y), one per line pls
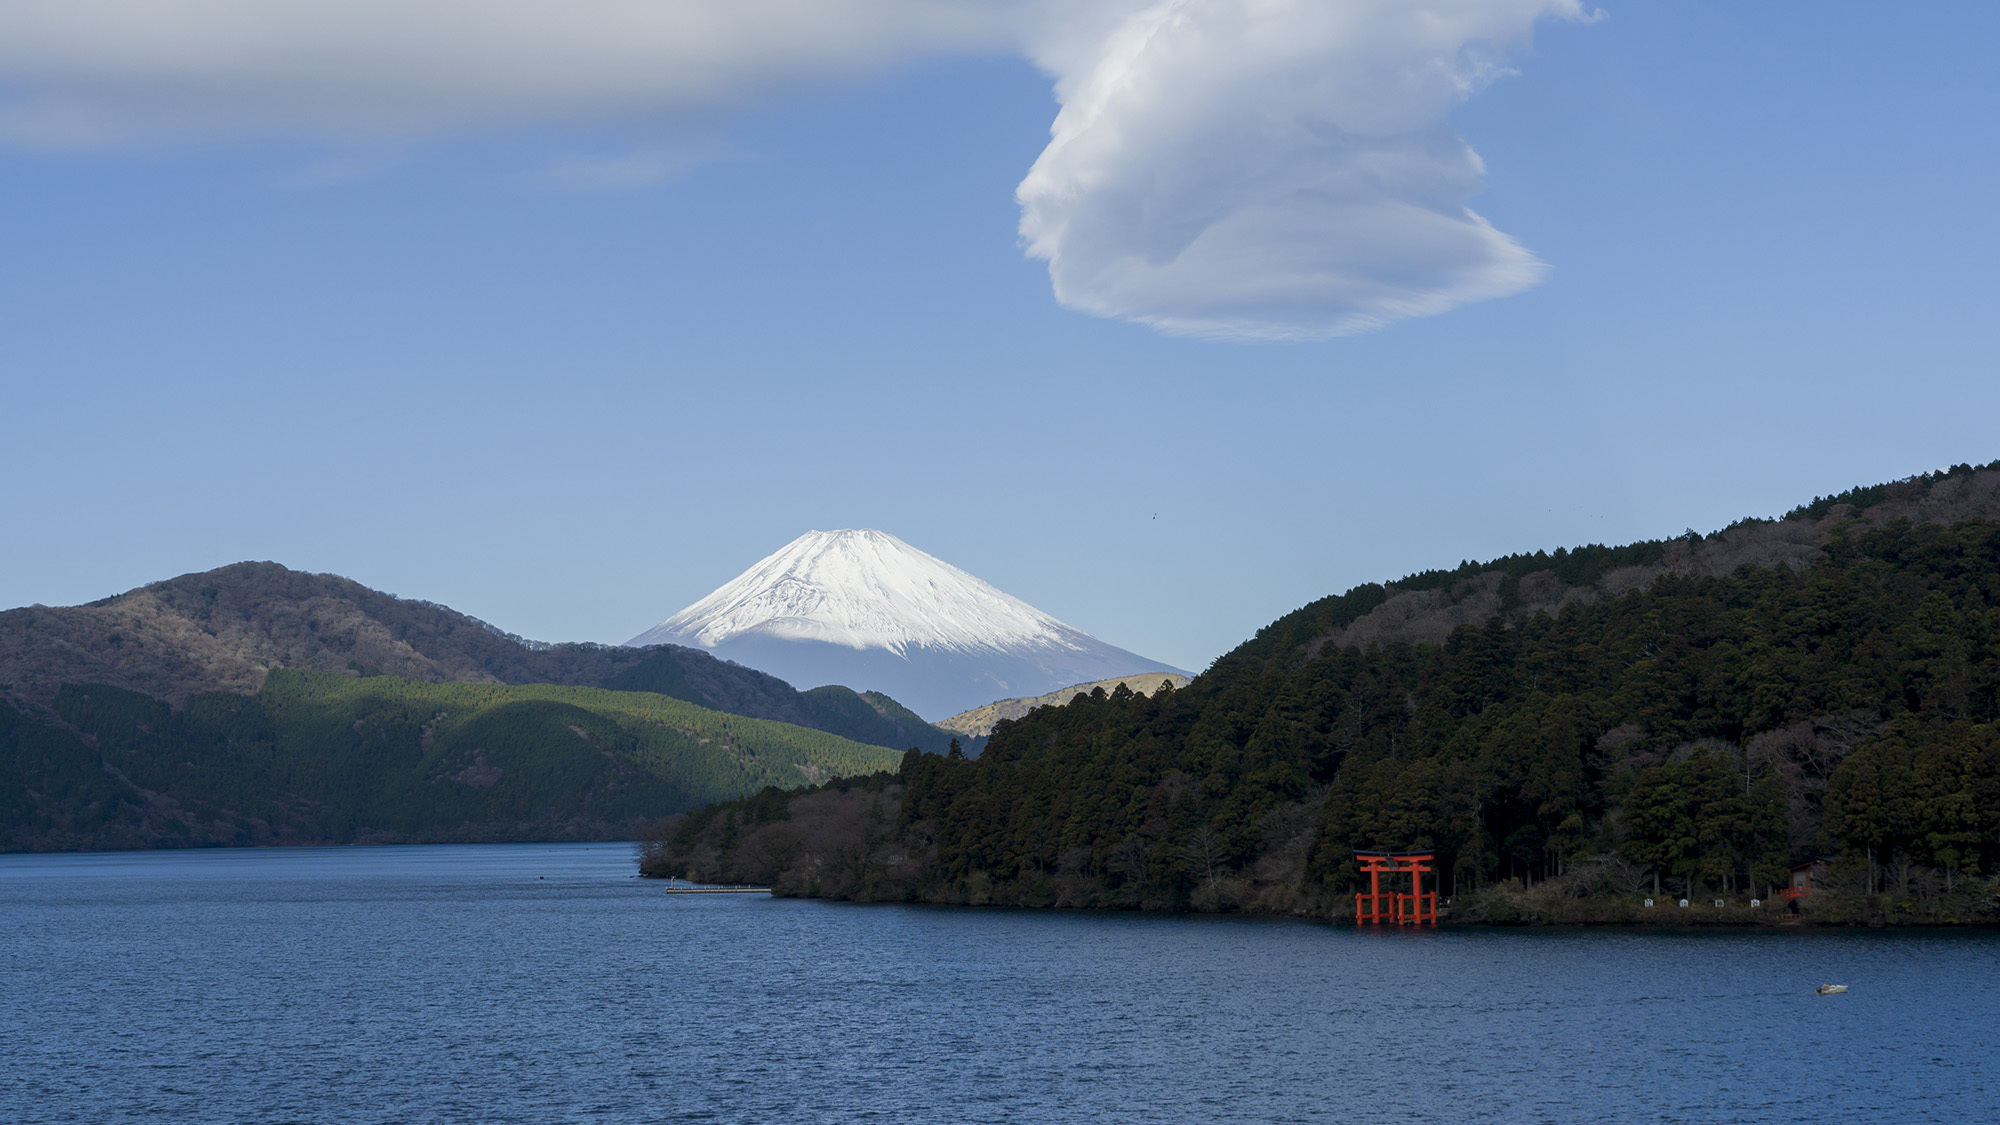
(536, 984)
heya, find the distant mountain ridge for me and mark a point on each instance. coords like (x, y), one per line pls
(978, 722)
(227, 629)
(1425, 608)
(254, 704)
(864, 608)
(865, 716)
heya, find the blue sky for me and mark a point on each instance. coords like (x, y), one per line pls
(570, 375)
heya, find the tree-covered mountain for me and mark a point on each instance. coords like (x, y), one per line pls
(866, 716)
(226, 629)
(316, 757)
(256, 704)
(1696, 712)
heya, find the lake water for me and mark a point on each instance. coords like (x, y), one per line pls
(545, 984)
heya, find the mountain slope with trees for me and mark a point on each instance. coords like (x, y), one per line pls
(1693, 713)
(864, 716)
(316, 757)
(227, 629)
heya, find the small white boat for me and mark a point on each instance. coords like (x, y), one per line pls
(1830, 989)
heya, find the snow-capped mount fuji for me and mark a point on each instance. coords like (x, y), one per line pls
(869, 611)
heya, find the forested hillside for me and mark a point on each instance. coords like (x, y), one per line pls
(323, 758)
(1697, 712)
(222, 630)
(697, 677)
(226, 629)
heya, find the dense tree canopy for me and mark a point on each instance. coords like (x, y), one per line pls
(1627, 724)
(1707, 730)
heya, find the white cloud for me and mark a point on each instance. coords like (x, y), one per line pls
(1275, 169)
(89, 72)
(1236, 168)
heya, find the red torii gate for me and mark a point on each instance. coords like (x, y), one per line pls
(1418, 908)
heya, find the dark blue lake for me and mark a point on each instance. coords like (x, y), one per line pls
(544, 984)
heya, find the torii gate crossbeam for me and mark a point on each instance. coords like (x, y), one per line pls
(1377, 906)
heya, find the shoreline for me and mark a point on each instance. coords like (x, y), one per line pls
(1825, 911)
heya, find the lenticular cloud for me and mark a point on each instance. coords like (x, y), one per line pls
(1252, 169)
(81, 72)
(1274, 169)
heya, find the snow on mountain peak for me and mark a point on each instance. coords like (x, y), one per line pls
(864, 589)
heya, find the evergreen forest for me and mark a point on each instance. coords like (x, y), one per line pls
(1626, 722)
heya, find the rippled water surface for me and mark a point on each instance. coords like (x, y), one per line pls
(543, 984)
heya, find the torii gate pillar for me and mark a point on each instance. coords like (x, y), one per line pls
(1417, 908)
